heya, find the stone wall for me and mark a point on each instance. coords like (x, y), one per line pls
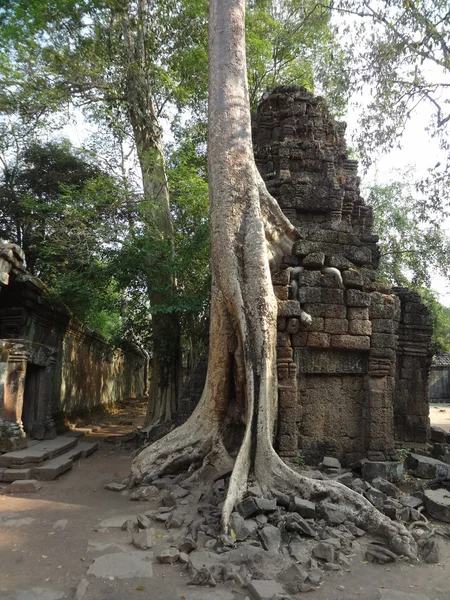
(439, 384)
(353, 354)
(50, 364)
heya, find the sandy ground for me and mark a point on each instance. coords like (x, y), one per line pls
(48, 541)
(440, 416)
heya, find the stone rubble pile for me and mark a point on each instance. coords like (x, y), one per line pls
(288, 543)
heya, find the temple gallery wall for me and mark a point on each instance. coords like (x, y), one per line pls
(50, 365)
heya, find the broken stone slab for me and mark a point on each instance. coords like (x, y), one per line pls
(376, 497)
(386, 487)
(329, 462)
(324, 551)
(304, 508)
(299, 550)
(294, 522)
(15, 474)
(143, 521)
(270, 537)
(437, 504)
(331, 513)
(238, 526)
(265, 589)
(437, 434)
(390, 470)
(411, 501)
(144, 539)
(122, 565)
(25, 486)
(425, 467)
(115, 487)
(251, 506)
(169, 556)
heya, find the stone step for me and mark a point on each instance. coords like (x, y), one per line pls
(15, 474)
(38, 453)
(55, 467)
(87, 448)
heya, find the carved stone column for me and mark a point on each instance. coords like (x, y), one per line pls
(12, 436)
(44, 428)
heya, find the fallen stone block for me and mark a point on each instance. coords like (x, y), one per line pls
(390, 470)
(15, 474)
(262, 589)
(87, 448)
(144, 539)
(386, 487)
(122, 565)
(437, 504)
(169, 556)
(324, 551)
(304, 508)
(329, 462)
(332, 514)
(270, 537)
(437, 434)
(25, 486)
(115, 487)
(425, 467)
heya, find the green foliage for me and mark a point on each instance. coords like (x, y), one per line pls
(414, 246)
(400, 51)
(291, 42)
(413, 243)
(64, 211)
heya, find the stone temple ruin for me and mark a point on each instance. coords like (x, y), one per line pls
(354, 381)
(51, 366)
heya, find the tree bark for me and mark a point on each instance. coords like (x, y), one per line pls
(166, 375)
(248, 231)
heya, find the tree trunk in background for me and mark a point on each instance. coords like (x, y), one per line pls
(166, 366)
(248, 231)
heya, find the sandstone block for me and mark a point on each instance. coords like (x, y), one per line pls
(357, 298)
(318, 340)
(284, 353)
(15, 474)
(305, 508)
(351, 342)
(265, 589)
(324, 551)
(115, 487)
(292, 325)
(270, 537)
(315, 260)
(281, 277)
(309, 294)
(281, 291)
(25, 486)
(309, 278)
(358, 313)
(356, 327)
(299, 339)
(329, 311)
(426, 467)
(389, 470)
(283, 338)
(338, 261)
(384, 325)
(332, 296)
(353, 280)
(437, 434)
(384, 340)
(359, 255)
(288, 308)
(317, 324)
(336, 326)
(437, 503)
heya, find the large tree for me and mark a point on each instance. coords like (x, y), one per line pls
(248, 232)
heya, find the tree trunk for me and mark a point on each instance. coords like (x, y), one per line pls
(248, 231)
(166, 376)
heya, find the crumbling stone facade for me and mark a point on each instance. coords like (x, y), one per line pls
(50, 364)
(353, 354)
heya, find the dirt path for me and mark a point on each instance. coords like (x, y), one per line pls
(48, 541)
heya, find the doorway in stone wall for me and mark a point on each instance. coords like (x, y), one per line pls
(31, 397)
